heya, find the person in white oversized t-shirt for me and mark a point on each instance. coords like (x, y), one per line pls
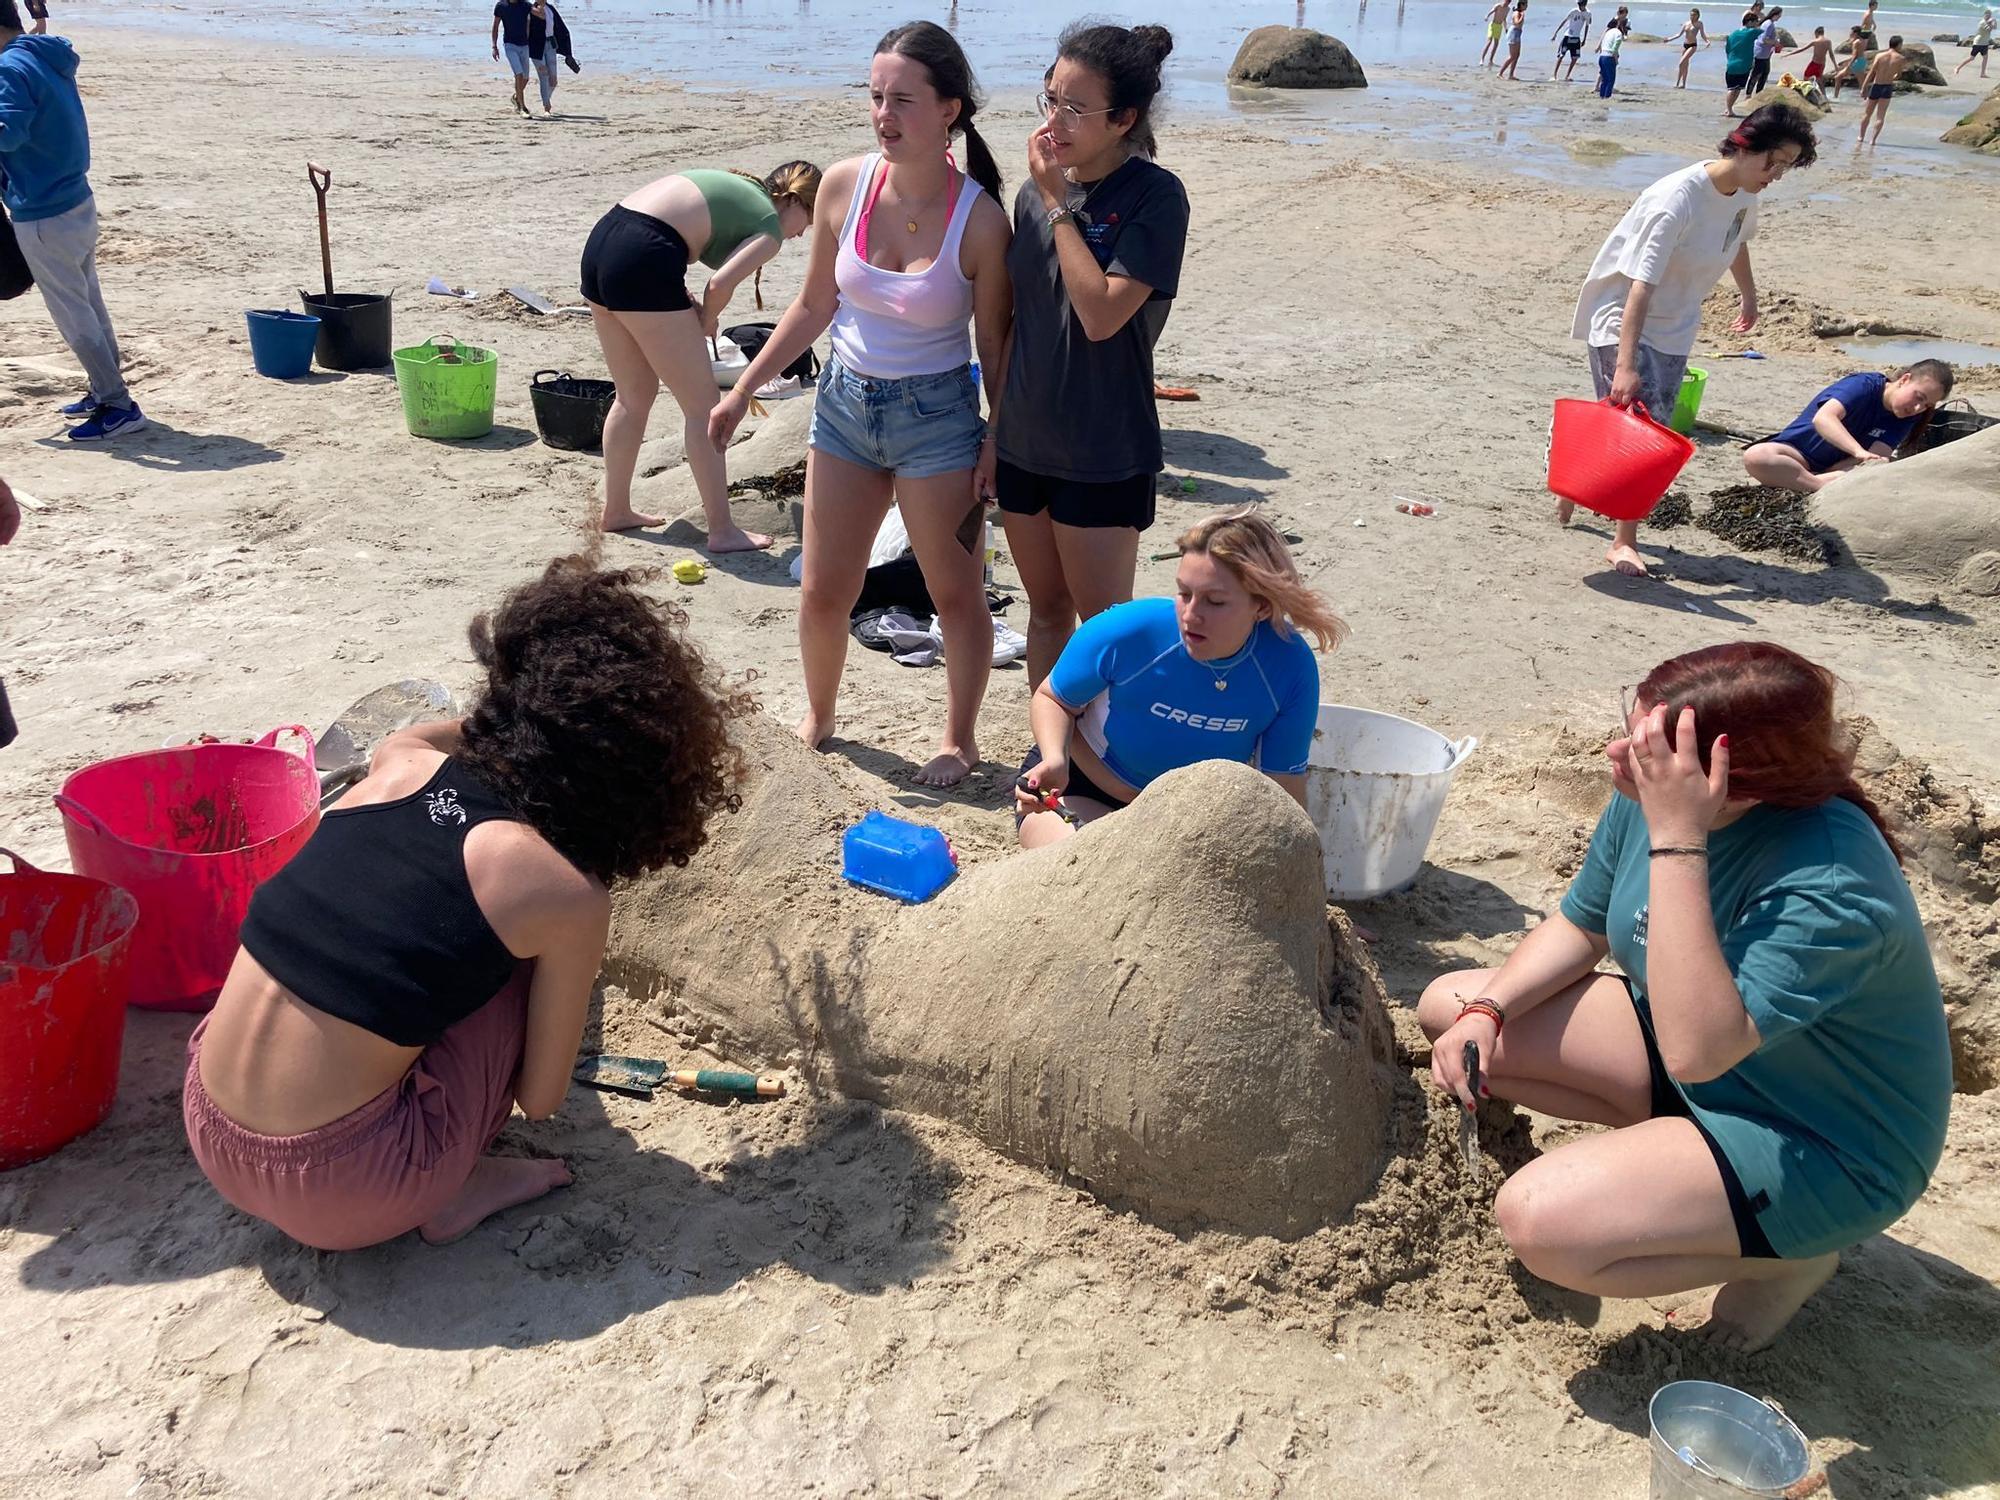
(1573, 28)
(1640, 308)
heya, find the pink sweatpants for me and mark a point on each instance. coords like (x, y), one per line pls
(390, 1165)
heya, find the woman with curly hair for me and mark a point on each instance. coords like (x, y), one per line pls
(1219, 672)
(1771, 1055)
(426, 961)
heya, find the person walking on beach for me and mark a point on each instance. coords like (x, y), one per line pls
(548, 44)
(634, 277)
(510, 30)
(38, 12)
(1640, 308)
(1982, 43)
(1099, 231)
(1878, 87)
(44, 182)
(1761, 51)
(917, 259)
(1868, 25)
(1511, 68)
(1607, 56)
(1692, 35)
(1573, 28)
(1821, 49)
(1855, 50)
(1737, 53)
(1495, 23)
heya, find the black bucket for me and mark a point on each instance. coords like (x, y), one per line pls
(1950, 423)
(570, 411)
(354, 331)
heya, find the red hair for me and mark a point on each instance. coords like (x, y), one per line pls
(1785, 745)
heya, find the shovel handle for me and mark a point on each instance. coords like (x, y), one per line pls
(322, 179)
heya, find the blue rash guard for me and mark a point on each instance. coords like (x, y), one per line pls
(1147, 707)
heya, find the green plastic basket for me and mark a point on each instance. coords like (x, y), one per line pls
(447, 388)
(1688, 406)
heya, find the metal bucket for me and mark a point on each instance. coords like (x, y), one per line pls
(1713, 1442)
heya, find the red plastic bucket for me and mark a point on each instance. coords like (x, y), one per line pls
(1613, 461)
(65, 950)
(191, 832)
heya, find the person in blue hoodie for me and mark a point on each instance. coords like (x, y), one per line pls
(44, 162)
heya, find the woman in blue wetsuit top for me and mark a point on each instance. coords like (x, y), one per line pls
(1220, 671)
(1771, 1057)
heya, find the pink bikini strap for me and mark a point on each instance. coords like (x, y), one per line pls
(875, 191)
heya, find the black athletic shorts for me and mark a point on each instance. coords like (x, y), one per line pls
(633, 262)
(1073, 502)
(1573, 45)
(38, 10)
(1669, 1105)
(1080, 785)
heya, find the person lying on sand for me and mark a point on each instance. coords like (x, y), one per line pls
(1772, 1059)
(652, 333)
(425, 962)
(1219, 672)
(1859, 419)
(1640, 307)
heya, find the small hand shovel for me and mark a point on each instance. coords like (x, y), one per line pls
(1468, 1123)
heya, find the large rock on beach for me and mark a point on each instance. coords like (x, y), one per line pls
(1921, 66)
(1158, 1008)
(1935, 516)
(1296, 57)
(1980, 129)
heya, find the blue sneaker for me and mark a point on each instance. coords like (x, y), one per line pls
(83, 406)
(108, 421)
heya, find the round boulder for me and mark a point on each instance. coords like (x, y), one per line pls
(1920, 66)
(1296, 57)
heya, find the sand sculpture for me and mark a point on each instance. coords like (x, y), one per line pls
(1935, 516)
(1155, 1009)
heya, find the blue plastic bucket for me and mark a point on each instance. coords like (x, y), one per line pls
(281, 343)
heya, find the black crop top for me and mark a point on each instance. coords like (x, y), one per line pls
(374, 921)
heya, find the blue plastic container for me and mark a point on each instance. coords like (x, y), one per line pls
(281, 343)
(897, 858)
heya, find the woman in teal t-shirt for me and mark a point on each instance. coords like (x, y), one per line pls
(1773, 1057)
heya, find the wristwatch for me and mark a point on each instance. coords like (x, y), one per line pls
(1058, 215)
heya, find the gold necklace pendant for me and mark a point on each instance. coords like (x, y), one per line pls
(911, 225)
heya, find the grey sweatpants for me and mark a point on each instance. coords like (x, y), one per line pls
(62, 252)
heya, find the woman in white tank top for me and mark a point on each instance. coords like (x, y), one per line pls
(917, 255)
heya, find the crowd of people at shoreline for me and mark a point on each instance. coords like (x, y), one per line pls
(1773, 1071)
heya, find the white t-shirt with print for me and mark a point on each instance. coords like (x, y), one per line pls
(1678, 238)
(1576, 23)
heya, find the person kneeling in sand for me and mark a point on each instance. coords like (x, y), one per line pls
(1219, 672)
(1640, 308)
(1859, 419)
(1773, 1058)
(425, 962)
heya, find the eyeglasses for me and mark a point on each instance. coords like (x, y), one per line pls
(1628, 699)
(1066, 115)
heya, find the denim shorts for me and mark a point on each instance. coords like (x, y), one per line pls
(914, 428)
(517, 58)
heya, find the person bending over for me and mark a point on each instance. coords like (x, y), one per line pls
(1859, 419)
(425, 962)
(1771, 1056)
(1219, 672)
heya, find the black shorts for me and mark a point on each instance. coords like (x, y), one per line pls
(1075, 502)
(1669, 1105)
(1736, 80)
(1573, 45)
(633, 262)
(1881, 90)
(1080, 785)
(38, 10)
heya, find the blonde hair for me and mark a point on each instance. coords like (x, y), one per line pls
(1255, 552)
(796, 180)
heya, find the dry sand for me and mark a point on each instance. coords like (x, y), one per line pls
(824, 1294)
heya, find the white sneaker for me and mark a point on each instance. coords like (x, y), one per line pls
(782, 389)
(1008, 644)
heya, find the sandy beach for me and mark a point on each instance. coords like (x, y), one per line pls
(821, 1293)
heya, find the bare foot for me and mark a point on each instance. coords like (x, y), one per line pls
(1746, 1315)
(1626, 560)
(948, 767)
(496, 1182)
(736, 539)
(1564, 510)
(813, 731)
(628, 519)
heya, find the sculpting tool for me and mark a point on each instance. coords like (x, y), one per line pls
(1468, 1123)
(1047, 801)
(713, 1080)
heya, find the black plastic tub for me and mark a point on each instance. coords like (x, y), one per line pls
(570, 410)
(354, 329)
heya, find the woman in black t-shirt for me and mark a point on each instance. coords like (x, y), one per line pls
(1096, 258)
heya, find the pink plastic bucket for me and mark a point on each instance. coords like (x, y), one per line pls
(191, 832)
(65, 949)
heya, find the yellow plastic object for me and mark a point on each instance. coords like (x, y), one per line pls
(689, 570)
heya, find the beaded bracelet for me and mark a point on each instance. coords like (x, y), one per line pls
(1484, 1008)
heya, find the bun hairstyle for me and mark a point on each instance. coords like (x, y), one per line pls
(1768, 127)
(1128, 59)
(599, 724)
(1256, 553)
(928, 43)
(1786, 747)
(796, 180)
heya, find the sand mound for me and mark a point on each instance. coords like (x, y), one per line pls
(1930, 516)
(1153, 1012)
